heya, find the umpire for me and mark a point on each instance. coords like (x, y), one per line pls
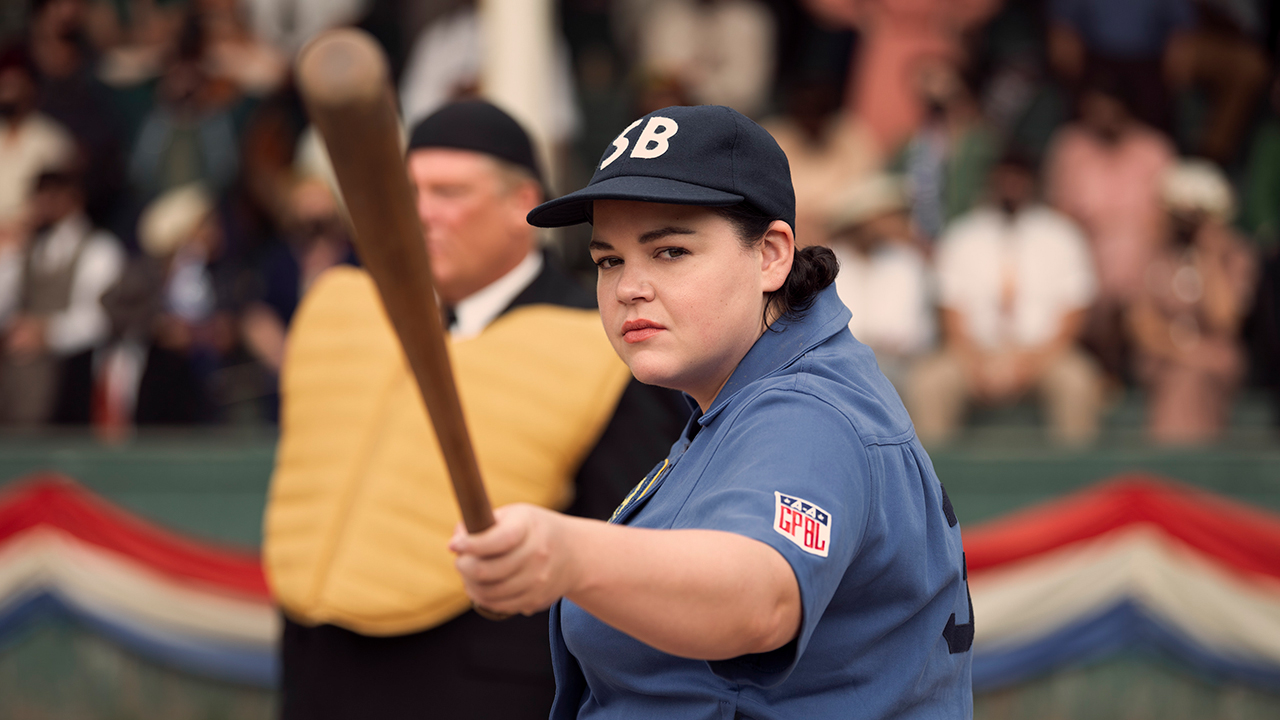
(376, 622)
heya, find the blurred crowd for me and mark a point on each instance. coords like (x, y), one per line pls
(1064, 202)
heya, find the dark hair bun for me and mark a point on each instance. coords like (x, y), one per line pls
(813, 269)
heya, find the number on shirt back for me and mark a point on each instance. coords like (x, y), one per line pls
(959, 637)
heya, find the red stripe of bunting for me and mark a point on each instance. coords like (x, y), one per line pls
(1241, 536)
(49, 500)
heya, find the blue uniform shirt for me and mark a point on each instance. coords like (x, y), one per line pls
(808, 449)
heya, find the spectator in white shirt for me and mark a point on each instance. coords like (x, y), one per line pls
(883, 275)
(1014, 281)
(162, 316)
(59, 311)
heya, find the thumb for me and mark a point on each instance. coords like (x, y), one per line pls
(510, 528)
(458, 543)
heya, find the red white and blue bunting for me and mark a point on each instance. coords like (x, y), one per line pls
(1132, 564)
(189, 605)
(1136, 563)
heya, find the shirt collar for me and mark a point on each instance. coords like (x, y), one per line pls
(782, 344)
(474, 313)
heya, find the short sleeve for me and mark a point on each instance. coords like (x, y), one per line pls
(791, 473)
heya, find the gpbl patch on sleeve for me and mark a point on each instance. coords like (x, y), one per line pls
(803, 523)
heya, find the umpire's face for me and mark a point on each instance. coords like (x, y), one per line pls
(473, 211)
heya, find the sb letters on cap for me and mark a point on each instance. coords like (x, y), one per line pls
(803, 523)
(653, 142)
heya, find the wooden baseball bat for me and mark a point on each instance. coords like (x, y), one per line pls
(345, 84)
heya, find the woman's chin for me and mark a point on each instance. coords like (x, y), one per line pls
(650, 375)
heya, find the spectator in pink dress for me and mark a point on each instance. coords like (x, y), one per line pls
(1104, 172)
(898, 36)
(1187, 312)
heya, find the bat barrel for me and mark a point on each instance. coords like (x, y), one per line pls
(344, 80)
(342, 67)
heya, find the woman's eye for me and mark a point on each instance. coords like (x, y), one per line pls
(607, 262)
(672, 253)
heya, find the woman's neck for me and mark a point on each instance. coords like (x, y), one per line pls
(705, 401)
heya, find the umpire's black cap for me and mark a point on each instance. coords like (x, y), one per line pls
(478, 126)
(706, 155)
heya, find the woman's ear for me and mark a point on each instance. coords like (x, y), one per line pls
(777, 251)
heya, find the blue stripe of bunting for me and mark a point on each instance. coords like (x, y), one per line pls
(1125, 626)
(219, 661)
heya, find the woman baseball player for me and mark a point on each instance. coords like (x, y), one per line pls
(795, 555)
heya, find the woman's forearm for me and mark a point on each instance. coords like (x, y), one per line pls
(701, 594)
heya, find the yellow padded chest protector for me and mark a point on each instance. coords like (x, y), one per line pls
(360, 508)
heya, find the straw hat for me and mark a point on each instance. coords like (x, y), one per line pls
(868, 199)
(171, 219)
(1198, 186)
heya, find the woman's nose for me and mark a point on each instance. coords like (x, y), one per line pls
(634, 285)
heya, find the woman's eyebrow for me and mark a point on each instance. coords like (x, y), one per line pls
(645, 238)
(660, 233)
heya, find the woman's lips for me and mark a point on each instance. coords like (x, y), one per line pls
(634, 331)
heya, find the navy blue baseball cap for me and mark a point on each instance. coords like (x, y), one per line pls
(705, 155)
